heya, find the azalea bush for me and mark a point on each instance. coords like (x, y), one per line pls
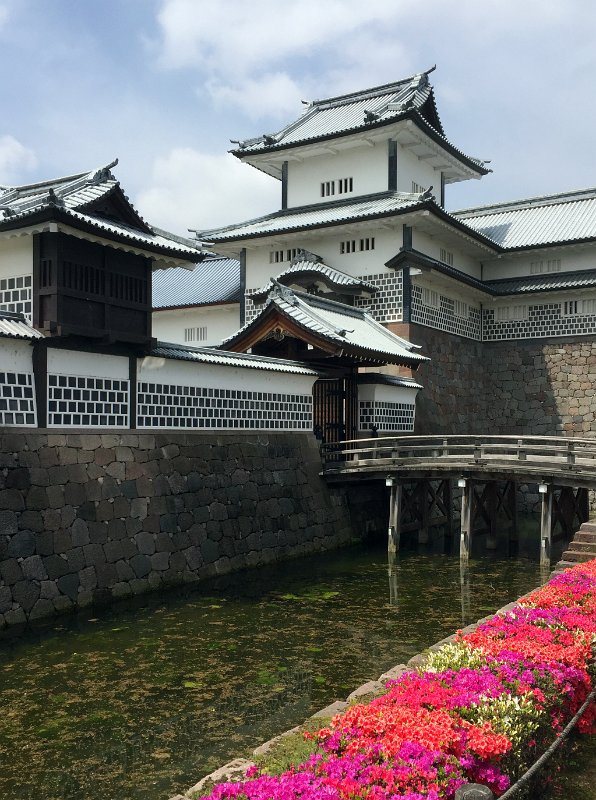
(482, 711)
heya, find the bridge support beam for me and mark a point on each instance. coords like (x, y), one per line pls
(546, 523)
(465, 537)
(394, 515)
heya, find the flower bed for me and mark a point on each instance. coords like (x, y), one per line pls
(482, 711)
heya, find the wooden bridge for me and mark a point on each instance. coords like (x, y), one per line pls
(486, 468)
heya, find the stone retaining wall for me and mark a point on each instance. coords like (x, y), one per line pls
(534, 386)
(88, 518)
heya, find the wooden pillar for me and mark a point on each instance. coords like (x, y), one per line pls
(424, 498)
(465, 536)
(546, 523)
(393, 584)
(466, 601)
(394, 515)
(513, 548)
(492, 508)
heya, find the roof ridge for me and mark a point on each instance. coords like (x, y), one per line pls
(373, 91)
(537, 201)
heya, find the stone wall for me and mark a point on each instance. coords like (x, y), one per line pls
(87, 518)
(533, 387)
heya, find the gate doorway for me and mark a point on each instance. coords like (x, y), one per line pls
(335, 409)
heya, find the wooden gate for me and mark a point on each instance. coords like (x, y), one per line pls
(335, 409)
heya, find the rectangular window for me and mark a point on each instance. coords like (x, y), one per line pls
(570, 308)
(345, 185)
(195, 334)
(460, 309)
(347, 247)
(430, 297)
(551, 265)
(416, 188)
(290, 254)
(446, 256)
(368, 243)
(506, 313)
(275, 256)
(589, 306)
(327, 188)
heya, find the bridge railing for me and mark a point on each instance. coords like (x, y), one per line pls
(558, 452)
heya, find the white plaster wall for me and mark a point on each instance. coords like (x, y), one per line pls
(411, 168)
(16, 256)
(573, 258)
(220, 321)
(431, 246)
(383, 393)
(365, 164)
(215, 376)
(369, 262)
(92, 365)
(15, 356)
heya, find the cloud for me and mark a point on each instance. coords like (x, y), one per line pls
(3, 15)
(191, 189)
(275, 93)
(15, 159)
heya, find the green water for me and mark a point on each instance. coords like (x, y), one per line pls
(142, 702)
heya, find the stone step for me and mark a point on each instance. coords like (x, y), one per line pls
(584, 547)
(588, 527)
(562, 566)
(585, 536)
(577, 556)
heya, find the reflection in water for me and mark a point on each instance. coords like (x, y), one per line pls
(466, 599)
(392, 569)
(139, 703)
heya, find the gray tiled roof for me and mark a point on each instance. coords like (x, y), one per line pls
(14, 326)
(543, 283)
(315, 269)
(411, 97)
(314, 216)
(72, 198)
(214, 280)
(205, 355)
(352, 329)
(536, 222)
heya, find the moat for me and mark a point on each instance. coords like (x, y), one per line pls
(140, 702)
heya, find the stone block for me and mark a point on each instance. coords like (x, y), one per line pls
(116, 470)
(87, 579)
(160, 561)
(107, 575)
(15, 616)
(75, 559)
(74, 494)
(18, 478)
(64, 603)
(138, 508)
(5, 599)
(33, 568)
(139, 586)
(145, 542)
(41, 609)
(21, 545)
(10, 571)
(94, 554)
(48, 589)
(331, 710)
(25, 593)
(113, 551)
(145, 487)
(104, 511)
(79, 533)
(104, 456)
(141, 565)
(62, 541)
(12, 499)
(120, 590)
(125, 571)
(8, 523)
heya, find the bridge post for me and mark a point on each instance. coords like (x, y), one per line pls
(466, 518)
(546, 523)
(394, 514)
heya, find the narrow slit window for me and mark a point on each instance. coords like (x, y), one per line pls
(368, 243)
(348, 246)
(446, 256)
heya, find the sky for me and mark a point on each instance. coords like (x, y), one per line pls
(163, 85)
